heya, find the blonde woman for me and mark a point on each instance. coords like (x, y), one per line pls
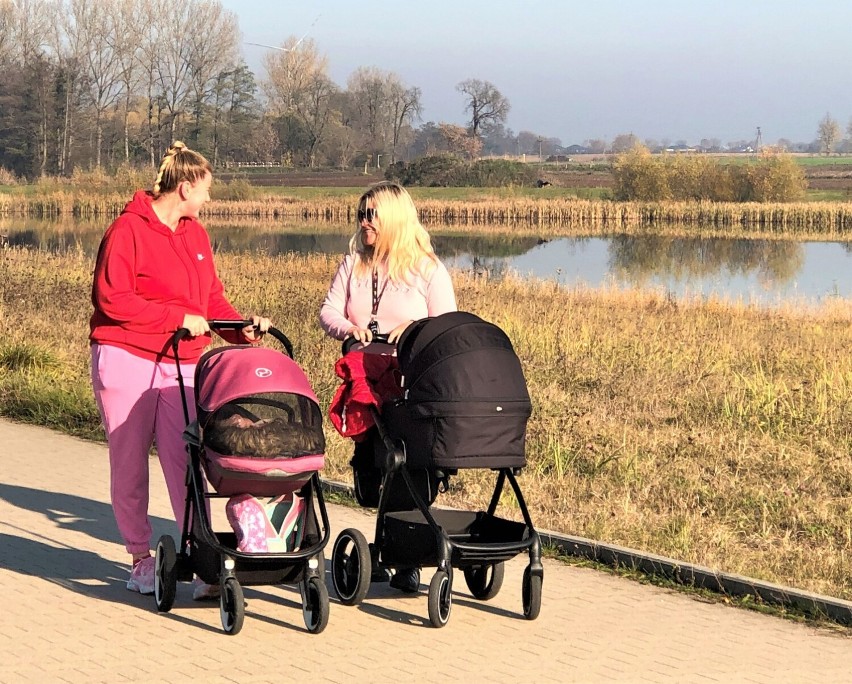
(154, 274)
(390, 278)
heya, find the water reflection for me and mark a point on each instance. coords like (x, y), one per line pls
(640, 259)
(756, 270)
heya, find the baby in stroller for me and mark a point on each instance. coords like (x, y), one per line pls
(261, 438)
(263, 524)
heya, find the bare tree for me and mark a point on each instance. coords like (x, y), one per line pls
(290, 70)
(212, 51)
(371, 116)
(406, 108)
(144, 26)
(95, 29)
(315, 110)
(828, 133)
(126, 45)
(382, 108)
(175, 25)
(34, 23)
(300, 91)
(486, 105)
(7, 29)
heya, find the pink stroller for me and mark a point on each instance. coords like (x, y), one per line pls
(258, 433)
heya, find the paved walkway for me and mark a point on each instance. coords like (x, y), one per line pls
(67, 617)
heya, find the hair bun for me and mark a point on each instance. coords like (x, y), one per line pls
(177, 145)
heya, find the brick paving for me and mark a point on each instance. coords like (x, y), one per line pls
(67, 616)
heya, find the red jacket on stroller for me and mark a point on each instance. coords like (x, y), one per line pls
(368, 380)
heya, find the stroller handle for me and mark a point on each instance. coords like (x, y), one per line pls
(350, 342)
(217, 324)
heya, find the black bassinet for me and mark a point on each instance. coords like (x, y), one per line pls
(465, 400)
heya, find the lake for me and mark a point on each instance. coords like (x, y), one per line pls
(760, 271)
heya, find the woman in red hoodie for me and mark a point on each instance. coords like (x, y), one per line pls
(154, 274)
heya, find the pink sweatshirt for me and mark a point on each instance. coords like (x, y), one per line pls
(350, 300)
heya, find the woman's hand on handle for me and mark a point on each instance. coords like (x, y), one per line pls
(259, 326)
(396, 333)
(363, 335)
(196, 325)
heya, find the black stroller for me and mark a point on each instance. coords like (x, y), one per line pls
(258, 386)
(465, 405)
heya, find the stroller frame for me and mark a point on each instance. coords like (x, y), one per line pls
(213, 556)
(478, 543)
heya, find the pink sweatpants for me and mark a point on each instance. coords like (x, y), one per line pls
(139, 401)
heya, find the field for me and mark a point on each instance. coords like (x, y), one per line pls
(586, 176)
(713, 433)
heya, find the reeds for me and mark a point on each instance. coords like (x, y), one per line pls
(546, 217)
(709, 431)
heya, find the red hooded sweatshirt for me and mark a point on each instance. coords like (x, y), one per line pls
(147, 277)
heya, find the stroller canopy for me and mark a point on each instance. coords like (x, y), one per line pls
(228, 373)
(459, 357)
(465, 399)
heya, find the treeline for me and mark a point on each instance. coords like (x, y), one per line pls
(105, 83)
(771, 177)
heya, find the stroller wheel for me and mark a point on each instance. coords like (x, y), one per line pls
(351, 566)
(232, 606)
(165, 574)
(315, 607)
(531, 593)
(484, 581)
(440, 598)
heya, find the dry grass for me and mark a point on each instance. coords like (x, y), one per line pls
(712, 432)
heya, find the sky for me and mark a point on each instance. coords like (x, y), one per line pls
(580, 70)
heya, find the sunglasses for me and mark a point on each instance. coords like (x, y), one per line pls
(368, 214)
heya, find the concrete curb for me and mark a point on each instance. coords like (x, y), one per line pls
(696, 576)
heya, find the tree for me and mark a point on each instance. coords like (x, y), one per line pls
(460, 142)
(828, 133)
(624, 142)
(486, 105)
(95, 27)
(212, 51)
(382, 108)
(300, 93)
(405, 107)
(127, 19)
(235, 111)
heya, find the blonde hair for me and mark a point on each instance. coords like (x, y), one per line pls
(401, 241)
(180, 164)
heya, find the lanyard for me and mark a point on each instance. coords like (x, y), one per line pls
(377, 294)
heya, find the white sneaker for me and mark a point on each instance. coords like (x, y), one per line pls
(201, 591)
(142, 576)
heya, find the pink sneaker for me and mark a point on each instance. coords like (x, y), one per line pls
(142, 576)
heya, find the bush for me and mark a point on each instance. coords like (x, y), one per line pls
(8, 178)
(771, 178)
(450, 171)
(237, 190)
